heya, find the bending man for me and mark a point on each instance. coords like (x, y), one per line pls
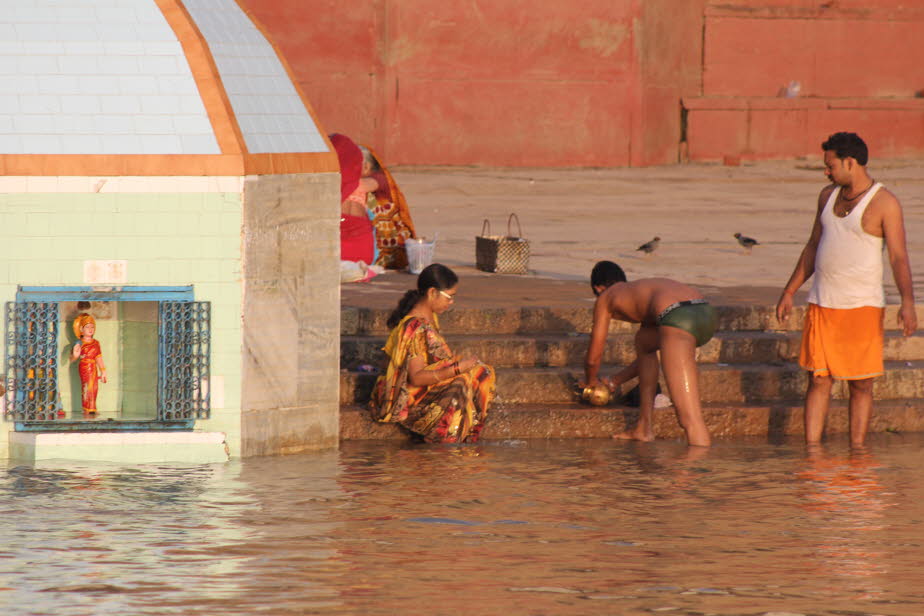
(673, 319)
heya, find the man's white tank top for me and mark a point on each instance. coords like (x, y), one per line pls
(848, 263)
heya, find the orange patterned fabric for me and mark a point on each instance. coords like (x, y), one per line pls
(453, 410)
(391, 219)
(843, 343)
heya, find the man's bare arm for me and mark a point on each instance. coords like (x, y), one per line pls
(893, 230)
(805, 266)
(626, 374)
(601, 326)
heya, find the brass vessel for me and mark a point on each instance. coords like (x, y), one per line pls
(598, 395)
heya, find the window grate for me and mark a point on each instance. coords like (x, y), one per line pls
(183, 370)
(31, 361)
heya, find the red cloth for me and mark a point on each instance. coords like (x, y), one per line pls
(356, 239)
(351, 164)
(89, 377)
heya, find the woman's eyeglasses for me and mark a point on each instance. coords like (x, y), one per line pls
(451, 298)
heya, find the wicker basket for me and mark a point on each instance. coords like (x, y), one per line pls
(502, 254)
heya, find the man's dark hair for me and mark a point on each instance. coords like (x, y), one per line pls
(606, 274)
(846, 145)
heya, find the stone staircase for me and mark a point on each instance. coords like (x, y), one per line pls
(750, 381)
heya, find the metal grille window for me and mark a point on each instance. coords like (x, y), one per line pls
(33, 350)
(183, 330)
(32, 361)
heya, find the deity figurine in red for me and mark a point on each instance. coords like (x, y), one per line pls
(91, 366)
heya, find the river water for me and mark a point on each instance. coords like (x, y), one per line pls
(520, 527)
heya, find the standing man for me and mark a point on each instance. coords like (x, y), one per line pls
(843, 333)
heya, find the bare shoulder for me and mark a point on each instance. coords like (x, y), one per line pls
(825, 194)
(605, 305)
(884, 199)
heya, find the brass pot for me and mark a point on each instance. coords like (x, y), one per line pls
(598, 395)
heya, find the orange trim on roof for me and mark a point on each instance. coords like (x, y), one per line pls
(168, 164)
(208, 79)
(285, 64)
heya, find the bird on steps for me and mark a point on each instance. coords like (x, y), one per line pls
(746, 242)
(649, 247)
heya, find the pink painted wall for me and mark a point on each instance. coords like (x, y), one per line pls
(605, 82)
(495, 82)
(858, 64)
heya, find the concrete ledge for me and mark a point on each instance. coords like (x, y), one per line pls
(755, 128)
(724, 420)
(882, 10)
(743, 103)
(741, 383)
(124, 447)
(525, 320)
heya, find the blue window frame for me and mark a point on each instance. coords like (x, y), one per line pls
(33, 347)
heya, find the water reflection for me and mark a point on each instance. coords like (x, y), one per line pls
(522, 527)
(846, 504)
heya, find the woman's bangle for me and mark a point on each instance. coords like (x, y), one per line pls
(455, 368)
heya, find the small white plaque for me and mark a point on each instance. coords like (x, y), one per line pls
(105, 272)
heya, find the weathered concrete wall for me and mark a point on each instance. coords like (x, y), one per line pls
(168, 231)
(291, 313)
(670, 56)
(494, 82)
(857, 65)
(600, 82)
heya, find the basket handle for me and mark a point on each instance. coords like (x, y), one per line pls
(519, 230)
(485, 225)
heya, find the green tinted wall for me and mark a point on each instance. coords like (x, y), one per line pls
(166, 239)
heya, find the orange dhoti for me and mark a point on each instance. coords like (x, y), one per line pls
(845, 344)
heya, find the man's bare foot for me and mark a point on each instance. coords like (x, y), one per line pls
(634, 435)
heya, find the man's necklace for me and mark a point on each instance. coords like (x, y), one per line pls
(845, 199)
(864, 191)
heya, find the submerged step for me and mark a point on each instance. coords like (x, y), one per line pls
(508, 421)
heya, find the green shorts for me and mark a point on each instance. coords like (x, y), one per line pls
(694, 316)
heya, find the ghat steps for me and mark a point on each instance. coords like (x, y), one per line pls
(750, 381)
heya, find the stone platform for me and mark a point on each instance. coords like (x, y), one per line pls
(750, 381)
(147, 447)
(533, 328)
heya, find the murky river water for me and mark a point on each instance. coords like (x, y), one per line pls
(526, 527)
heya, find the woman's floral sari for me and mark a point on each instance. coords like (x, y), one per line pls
(391, 219)
(450, 411)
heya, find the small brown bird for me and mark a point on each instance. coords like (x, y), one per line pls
(746, 242)
(649, 247)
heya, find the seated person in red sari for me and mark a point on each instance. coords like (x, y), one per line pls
(357, 242)
(391, 216)
(426, 389)
(91, 366)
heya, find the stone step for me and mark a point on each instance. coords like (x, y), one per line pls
(730, 383)
(356, 321)
(541, 350)
(578, 421)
